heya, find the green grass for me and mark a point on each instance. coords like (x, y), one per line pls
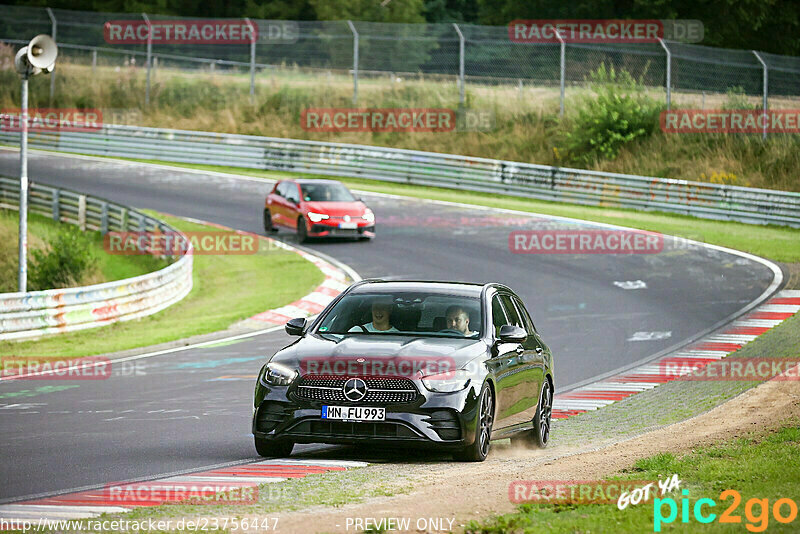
(107, 267)
(777, 243)
(757, 466)
(227, 288)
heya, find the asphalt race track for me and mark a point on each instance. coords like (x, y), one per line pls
(191, 409)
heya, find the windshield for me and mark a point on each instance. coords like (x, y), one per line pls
(326, 193)
(405, 313)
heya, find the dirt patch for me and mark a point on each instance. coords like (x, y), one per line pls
(792, 275)
(475, 491)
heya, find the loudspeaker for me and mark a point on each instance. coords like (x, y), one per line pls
(42, 52)
(39, 55)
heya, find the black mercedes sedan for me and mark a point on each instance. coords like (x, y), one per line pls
(448, 365)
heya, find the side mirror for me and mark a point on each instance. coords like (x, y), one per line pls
(296, 326)
(512, 334)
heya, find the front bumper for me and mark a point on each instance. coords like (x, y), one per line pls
(441, 420)
(329, 228)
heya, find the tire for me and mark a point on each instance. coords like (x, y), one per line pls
(479, 450)
(273, 449)
(268, 226)
(539, 436)
(302, 231)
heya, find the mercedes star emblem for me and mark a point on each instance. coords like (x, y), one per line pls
(355, 389)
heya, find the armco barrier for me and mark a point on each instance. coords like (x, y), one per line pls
(31, 314)
(712, 201)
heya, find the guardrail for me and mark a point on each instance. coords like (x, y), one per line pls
(35, 313)
(761, 206)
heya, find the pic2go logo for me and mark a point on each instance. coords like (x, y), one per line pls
(783, 510)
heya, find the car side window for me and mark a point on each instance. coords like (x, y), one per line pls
(530, 328)
(291, 193)
(511, 312)
(498, 315)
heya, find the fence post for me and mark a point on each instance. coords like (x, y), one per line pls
(252, 60)
(104, 219)
(355, 61)
(82, 212)
(562, 71)
(56, 205)
(765, 91)
(149, 58)
(53, 30)
(460, 64)
(94, 60)
(669, 72)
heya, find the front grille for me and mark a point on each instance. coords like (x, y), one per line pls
(347, 429)
(446, 424)
(379, 390)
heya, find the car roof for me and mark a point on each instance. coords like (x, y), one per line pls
(378, 286)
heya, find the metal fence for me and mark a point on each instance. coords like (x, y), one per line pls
(705, 200)
(461, 52)
(35, 313)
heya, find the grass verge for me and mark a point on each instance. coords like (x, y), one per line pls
(227, 288)
(42, 230)
(777, 243)
(760, 466)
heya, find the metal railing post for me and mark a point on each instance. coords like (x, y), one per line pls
(149, 58)
(355, 61)
(562, 72)
(461, 43)
(53, 30)
(94, 60)
(22, 272)
(252, 60)
(669, 72)
(765, 91)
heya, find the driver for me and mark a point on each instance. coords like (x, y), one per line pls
(458, 319)
(381, 313)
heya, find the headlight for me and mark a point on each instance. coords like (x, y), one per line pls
(317, 217)
(277, 374)
(368, 216)
(447, 382)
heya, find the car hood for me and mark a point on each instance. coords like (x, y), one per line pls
(447, 353)
(336, 209)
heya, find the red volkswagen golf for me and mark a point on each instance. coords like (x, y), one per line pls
(317, 208)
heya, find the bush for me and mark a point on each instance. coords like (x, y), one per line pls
(63, 263)
(615, 114)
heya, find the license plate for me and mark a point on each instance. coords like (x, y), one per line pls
(353, 413)
(348, 225)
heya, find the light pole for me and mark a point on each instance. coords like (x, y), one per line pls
(39, 55)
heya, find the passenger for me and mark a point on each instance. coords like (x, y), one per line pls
(381, 313)
(458, 319)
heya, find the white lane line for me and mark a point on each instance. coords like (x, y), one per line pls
(758, 323)
(315, 463)
(731, 338)
(199, 479)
